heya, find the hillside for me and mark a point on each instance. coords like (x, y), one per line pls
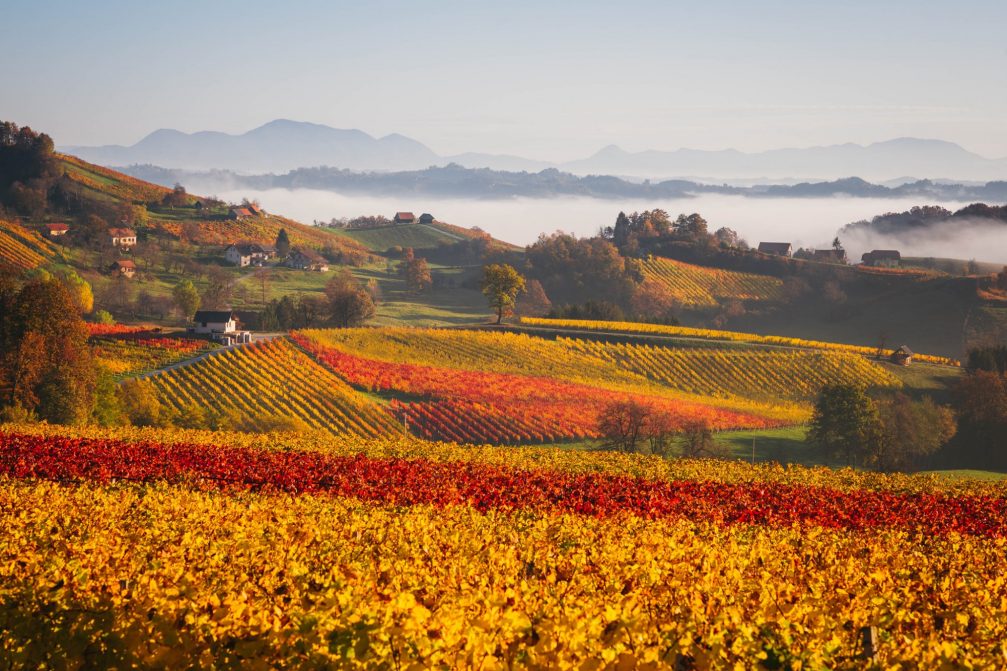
(200, 220)
(23, 249)
(693, 286)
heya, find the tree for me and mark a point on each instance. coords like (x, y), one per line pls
(501, 285)
(80, 290)
(282, 244)
(186, 298)
(622, 425)
(697, 440)
(107, 405)
(910, 432)
(980, 402)
(139, 402)
(416, 273)
(219, 289)
(349, 304)
(845, 424)
(46, 365)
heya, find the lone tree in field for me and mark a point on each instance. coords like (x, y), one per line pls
(186, 298)
(845, 424)
(501, 285)
(282, 244)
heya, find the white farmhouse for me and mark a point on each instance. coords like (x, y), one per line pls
(214, 321)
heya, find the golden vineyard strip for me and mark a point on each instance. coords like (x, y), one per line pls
(274, 379)
(15, 250)
(793, 374)
(698, 286)
(713, 334)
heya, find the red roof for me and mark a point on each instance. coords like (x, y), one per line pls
(122, 232)
(242, 212)
(52, 228)
(404, 216)
(125, 263)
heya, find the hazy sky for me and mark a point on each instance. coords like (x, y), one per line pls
(550, 80)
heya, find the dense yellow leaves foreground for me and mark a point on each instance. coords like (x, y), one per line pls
(173, 576)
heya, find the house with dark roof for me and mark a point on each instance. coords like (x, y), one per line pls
(248, 254)
(404, 218)
(829, 255)
(306, 259)
(776, 248)
(882, 258)
(213, 322)
(122, 237)
(426, 218)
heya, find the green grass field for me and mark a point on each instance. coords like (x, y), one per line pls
(417, 236)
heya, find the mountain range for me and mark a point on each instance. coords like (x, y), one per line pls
(283, 145)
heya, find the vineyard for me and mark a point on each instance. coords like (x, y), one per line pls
(699, 287)
(749, 372)
(21, 248)
(713, 334)
(274, 379)
(150, 548)
(132, 351)
(475, 386)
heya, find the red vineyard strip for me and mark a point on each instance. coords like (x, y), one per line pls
(485, 487)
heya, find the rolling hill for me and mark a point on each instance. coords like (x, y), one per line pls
(22, 248)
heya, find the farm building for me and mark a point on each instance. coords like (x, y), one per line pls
(404, 218)
(239, 213)
(255, 209)
(122, 237)
(426, 218)
(56, 230)
(124, 268)
(214, 321)
(903, 356)
(306, 259)
(882, 258)
(776, 248)
(248, 254)
(830, 255)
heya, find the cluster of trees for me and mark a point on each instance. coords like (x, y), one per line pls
(345, 303)
(415, 271)
(633, 427)
(892, 432)
(27, 169)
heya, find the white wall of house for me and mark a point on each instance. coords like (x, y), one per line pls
(215, 327)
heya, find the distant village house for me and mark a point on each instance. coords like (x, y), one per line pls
(882, 258)
(306, 259)
(776, 248)
(829, 255)
(122, 237)
(56, 230)
(124, 268)
(404, 218)
(239, 213)
(248, 254)
(426, 218)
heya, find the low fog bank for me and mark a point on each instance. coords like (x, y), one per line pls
(981, 239)
(805, 222)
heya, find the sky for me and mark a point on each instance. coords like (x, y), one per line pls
(546, 80)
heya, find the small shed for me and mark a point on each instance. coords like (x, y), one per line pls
(239, 213)
(56, 230)
(404, 218)
(903, 356)
(776, 248)
(426, 218)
